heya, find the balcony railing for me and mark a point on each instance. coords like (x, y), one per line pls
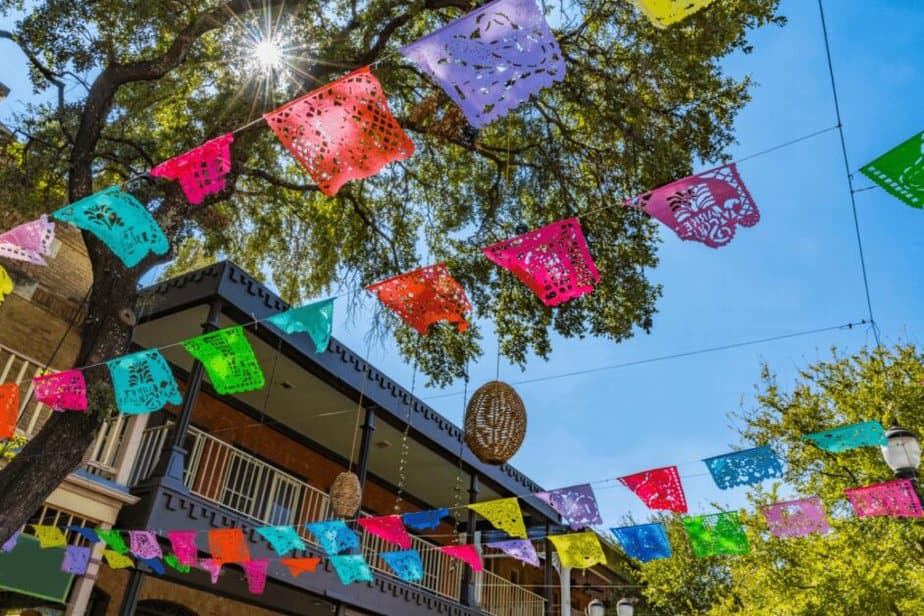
(231, 478)
(20, 369)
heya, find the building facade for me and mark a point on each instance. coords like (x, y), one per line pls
(268, 457)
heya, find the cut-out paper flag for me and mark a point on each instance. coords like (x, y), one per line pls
(28, 242)
(663, 13)
(228, 358)
(184, 546)
(200, 171)
(895, 498)
(298, 566)
(174, 563)
(316, 320)
(213, 568)
(577, 505)
(49, 536)
(10, 544)
(144, 544)
(87, 533)
(491, 60)
(705, 208)
(521, 549)
(6, 284)
(351, 568)
(797, 518)
(76, 559)
(342, 131)
(842, 438)
(406, 564)
(387, 527)
(113, 540)
(578, 550)
(658, 488)
(116, 560)
(62, 390)
(255, 572)
(742, 468)
(284, 539)
(424, 520)
(333, 536)
(466, 553)
(119, 221)
(9, 409)
(504, 514)
(644, 542)
(143, 382)
(425, 296)
(900, 171)
(552, 261)
(716, 534)
(228, 545)
(155, 564)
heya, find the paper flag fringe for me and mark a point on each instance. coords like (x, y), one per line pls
(552, 261)
(521, 549)
(644, 542)
(387, 527)
(119, 221)
(659, 488)
(143, 382)
(406, 564)
(896, 499)
(76, 559)
(797, 518)
(466, 553)
(6, 284)
(316, 320)
(425, 296)
(255, 572)
(705, 208)
(298, 566)
(113, 540)
(342, 131)
(49, 536)
(144, 544)
(228, 545)
(716, 534)
(578, 550)
(842, 438)
(663, 13)
(229, 360)
(351, 568)
(333, 536)
(900, 171)
(62, 390)
(504, 514)
(577, 505)
(28, 242)
(116, 560)
(425, 520)
(213, 568)
(746, 467)
(283, 539)
(9, 409)
(200, 171)
(491, 60)
(184, 546)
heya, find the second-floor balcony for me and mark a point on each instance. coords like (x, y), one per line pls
(233, 479)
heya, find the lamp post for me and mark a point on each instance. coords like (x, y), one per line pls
(596, 608)
(902, 452)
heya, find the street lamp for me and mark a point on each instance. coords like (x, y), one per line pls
(902, 452)
(596, 608)
(624, 607)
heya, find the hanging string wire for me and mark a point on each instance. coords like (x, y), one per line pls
(405, 449)
(457, 495)
(853, 200)
(359, 409)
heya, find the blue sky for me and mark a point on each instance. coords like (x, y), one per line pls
(798, 269)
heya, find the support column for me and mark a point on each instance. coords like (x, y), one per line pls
(547, 578)
(362, 466)
(132, 590)
(128, 450)
(469, 597)
(564, 579)
(176, 462)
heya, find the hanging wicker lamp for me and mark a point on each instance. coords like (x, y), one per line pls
(495, 422)
(345, 495)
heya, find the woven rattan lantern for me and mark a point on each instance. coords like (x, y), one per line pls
(345, 495)
(495, 422)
